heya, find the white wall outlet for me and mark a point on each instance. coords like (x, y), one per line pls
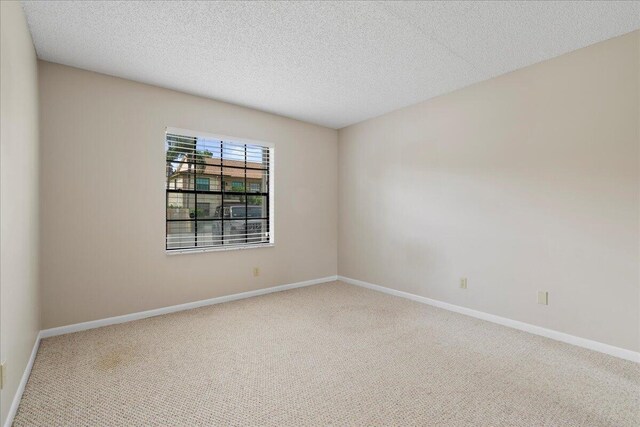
(256, 271)
(463, 283)
(543, 297)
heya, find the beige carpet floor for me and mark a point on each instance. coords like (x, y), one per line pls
(331, 354)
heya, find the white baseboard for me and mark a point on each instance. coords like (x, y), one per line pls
(23, 383)
(174, 308)
(537, 330)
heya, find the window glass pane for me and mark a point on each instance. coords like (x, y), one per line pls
(233, 154)
(257, 181)
(237, 208)
(178, 147)
(203, 210)
(209, 166)
(209, 233)
(246, 231)
(234, 232)
(237, 211)
(257, 157)
(257, 231)
(180, 205)
(180, 234)
(180, 176)
(208, 182)
(173, 183)
(254, 212)
(202, 184)
(207, 151)
(208, 206)
(242, 211)
(257, 206)
(234, 199)
(233, 179)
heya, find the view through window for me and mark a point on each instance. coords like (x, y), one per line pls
(217, 192)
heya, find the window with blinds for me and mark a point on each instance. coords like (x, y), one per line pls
(218, 192)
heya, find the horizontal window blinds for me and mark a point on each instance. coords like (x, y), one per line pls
(217, 193)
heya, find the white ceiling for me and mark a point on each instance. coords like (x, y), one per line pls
(330, 63)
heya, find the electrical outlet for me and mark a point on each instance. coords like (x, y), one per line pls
(543, 297)
(463, 283)
(256, 271)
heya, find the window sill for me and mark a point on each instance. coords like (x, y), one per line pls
(220, 249)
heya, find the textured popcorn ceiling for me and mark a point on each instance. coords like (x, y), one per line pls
(330, 63)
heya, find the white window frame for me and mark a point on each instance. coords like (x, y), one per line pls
(271, 146)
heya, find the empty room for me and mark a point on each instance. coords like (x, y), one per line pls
(320, 213)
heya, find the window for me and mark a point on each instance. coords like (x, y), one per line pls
(218, 192)
(202, 184)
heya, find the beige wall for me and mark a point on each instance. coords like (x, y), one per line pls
(103, 239)
(20, 311)
(526, 182)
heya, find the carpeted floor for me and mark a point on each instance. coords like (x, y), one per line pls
(330, 354)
